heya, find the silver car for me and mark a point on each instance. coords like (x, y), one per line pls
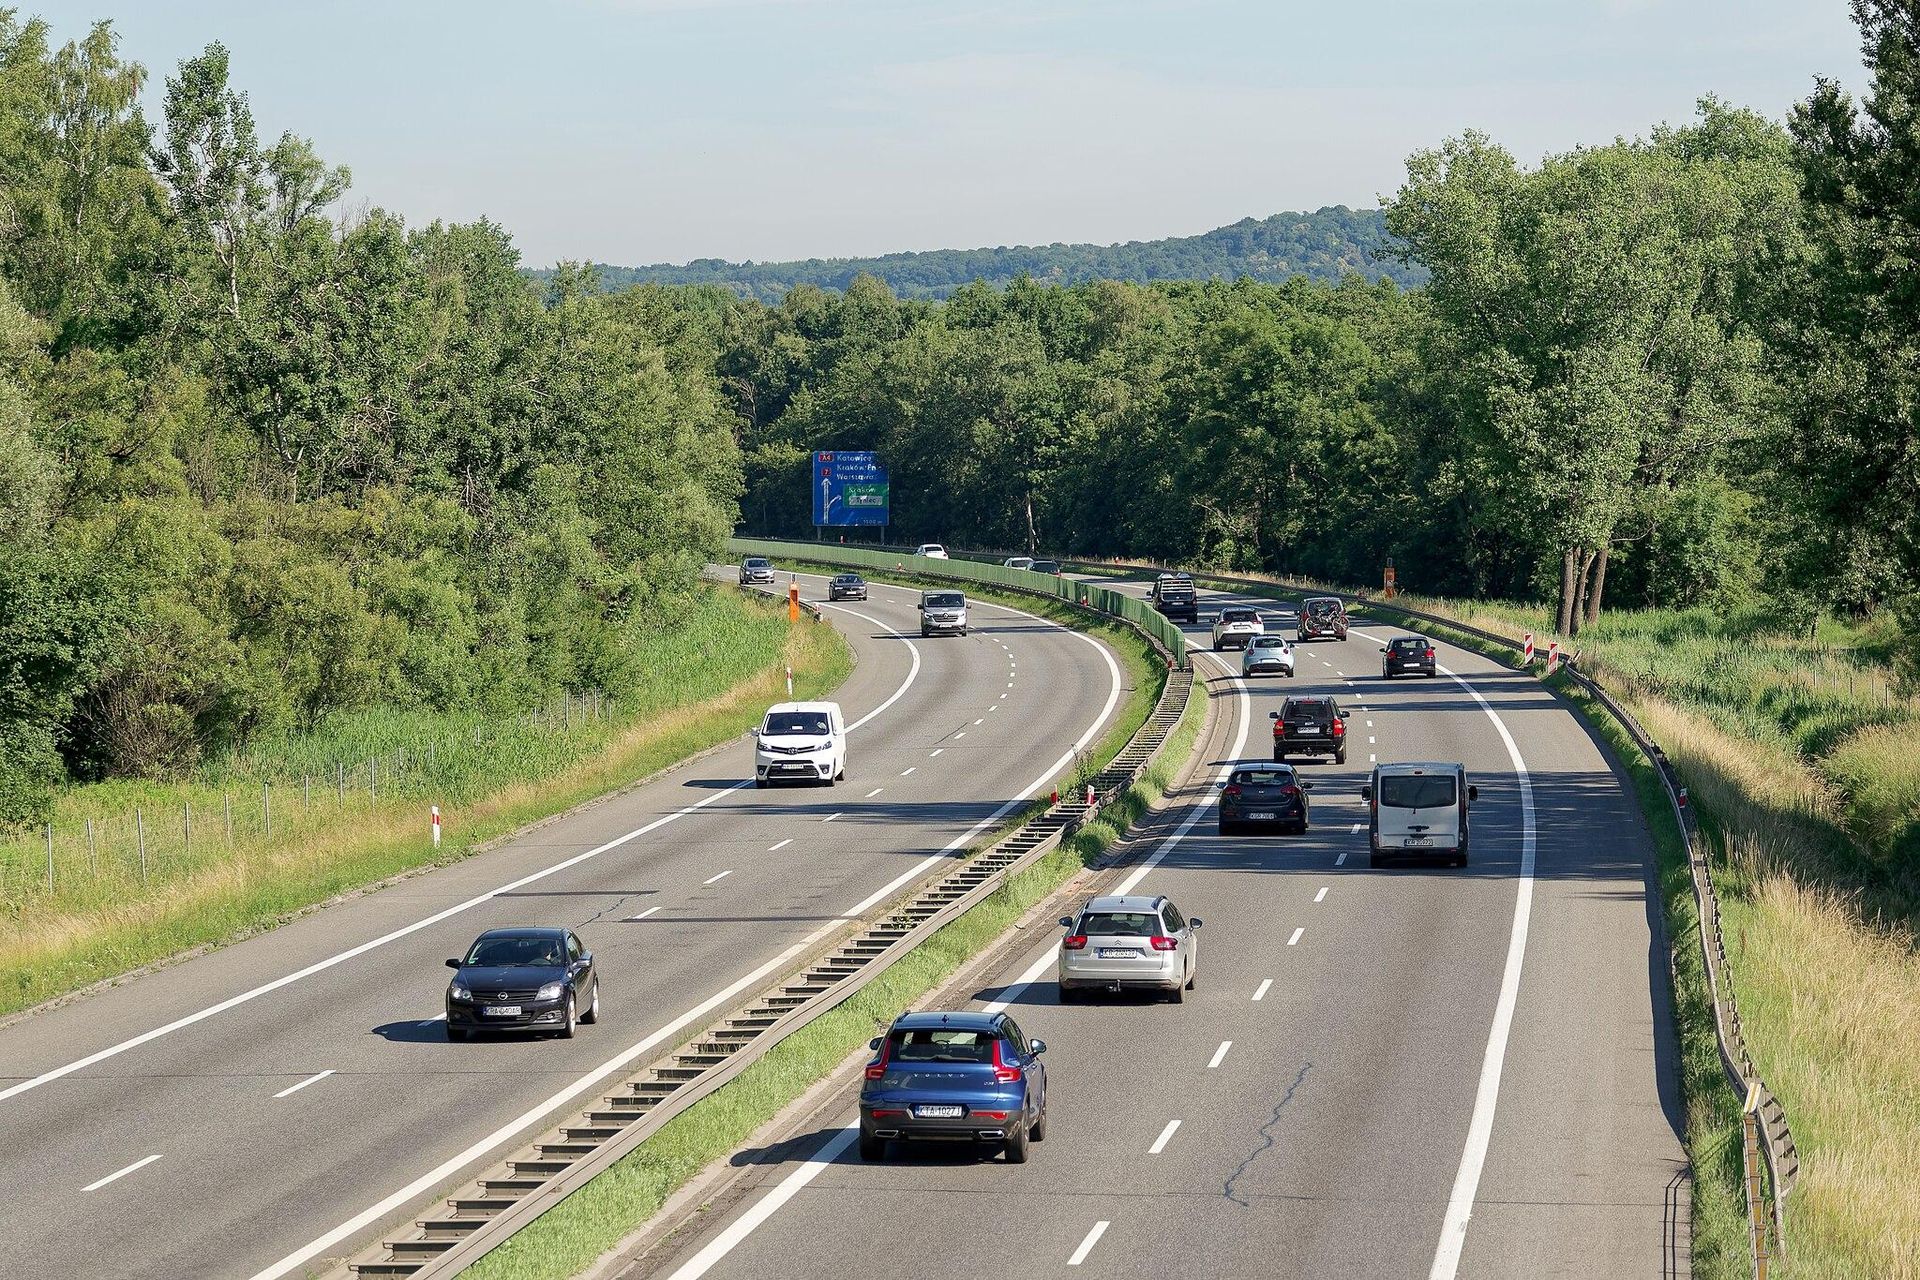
(1132, 941)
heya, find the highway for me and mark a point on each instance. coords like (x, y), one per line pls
(261, 1108)
(1398, 1072)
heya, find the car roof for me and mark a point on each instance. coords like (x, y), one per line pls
(846, 575)
(1270, 639)
(1125, 902)
(958, 1019)
(1422, 766)
(525, 931)
(943, 591)
(803, 706)
(1413, 635)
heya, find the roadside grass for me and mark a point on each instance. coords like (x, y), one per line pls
(575, 1233)
(490, 777)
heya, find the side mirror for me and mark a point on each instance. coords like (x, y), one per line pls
(1195, 921)
(1473, 793)
(1037, 1047)
(1344, 715)
(1366, 792)
(1273, 715)
(586, 957)
(453, 964)
(1066, 922)
(1306, 786)
(1220, 786)
(1383, 648)
(874, 1043)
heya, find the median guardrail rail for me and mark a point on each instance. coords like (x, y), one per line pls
(517, 1190)
(1768, 1140)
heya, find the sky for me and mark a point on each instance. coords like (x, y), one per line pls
(641, 131)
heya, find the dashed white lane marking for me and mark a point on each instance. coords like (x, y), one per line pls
(1003, 695)
(830, 817)
(871, 794)
(312, 1079)
(981, 720)
(1320, 896)
(1166, 1135)
(1260, 992)
(717, 879)
(995, 706)
(1371, 741)
(789, 840)
(1373, 759)
(961, 734)
(1294, 940)
(1340, 861)
(936, 751)
(1086, 1246)
(1219, 1054)
(906, 771)
(1009, 685)
(114, 1177)
(1358, 827)
(1369, 723)
(650, 910)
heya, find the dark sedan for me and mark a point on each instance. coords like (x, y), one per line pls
(1267, 795)
(523, 980)
(962, 1076)
(847, 586)
(1408, 654)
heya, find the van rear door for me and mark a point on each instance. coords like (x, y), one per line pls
(1418, 812)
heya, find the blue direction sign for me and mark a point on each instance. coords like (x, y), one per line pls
(849, 488)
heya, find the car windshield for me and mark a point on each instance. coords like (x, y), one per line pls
(1269, 642)
(786, 722)
(941, 1044)
(932, 547)
(1239, 615)
(1120, 924)
(847, 579)
(946, 600)
(1262, 777)
(1046, 566)
(510, 953)
(1416, 791)
(1410, 644)
(756, 563)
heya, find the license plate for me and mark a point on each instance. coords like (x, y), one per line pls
(1413, 840)
(503, 1011)
(939, 1112)
(1118, 953)
(1260, 817)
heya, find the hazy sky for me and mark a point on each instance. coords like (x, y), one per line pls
(636, 131)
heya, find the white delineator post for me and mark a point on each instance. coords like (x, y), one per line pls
(789, 682)
(436, 826)
(1529, 649)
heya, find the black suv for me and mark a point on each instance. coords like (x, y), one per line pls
(1311, 726)
(1174, 596)
(1407, 653)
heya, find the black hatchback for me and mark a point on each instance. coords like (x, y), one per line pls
(1405, 654)
(523, 980)
(1269, 795)
(847, 586)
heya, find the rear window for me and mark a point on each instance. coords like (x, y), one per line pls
(1323, 606)
(942, 1044)
(796, 722)
(1269, 642)
(1046, 566)
(946, 600)
(1410, 644)
(1417, 791)
(1120, 924)
(1307, 709)
(1262, 777)
(1239, 615)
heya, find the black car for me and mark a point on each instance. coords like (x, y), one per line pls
(756, 569)
(1265, 794)
(1173, 595)
(847, 586)
(1047, 566)
(523, 980)
(1310, 726)
(1408, 653)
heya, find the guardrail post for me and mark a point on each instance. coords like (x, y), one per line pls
(1756, 1181)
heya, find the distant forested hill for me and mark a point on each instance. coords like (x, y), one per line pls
(1330, 243)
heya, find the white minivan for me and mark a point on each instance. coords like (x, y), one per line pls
(1418, 810)
(800, 742)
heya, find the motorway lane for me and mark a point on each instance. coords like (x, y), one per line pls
(1328, 1137)
(245, 1177)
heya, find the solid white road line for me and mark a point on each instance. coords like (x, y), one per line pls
(1295, 939)
(1219, 1054)
(1166, 1135)
(115, 1177)
(871, 794)
(313, 1079)
(1086, 1246)
(1320, 896)
(789, 840)
(1260, 992)
(743, 1226)
(643, 915)
(717, 879)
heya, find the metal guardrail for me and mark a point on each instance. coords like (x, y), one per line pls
(1163, 632)
(515, 1191)
(1767, 1139)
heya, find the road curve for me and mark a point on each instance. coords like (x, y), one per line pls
(1402, 1072)
(281, 1100)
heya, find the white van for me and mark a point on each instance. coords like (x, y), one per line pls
(800, 742)
(1418, 810)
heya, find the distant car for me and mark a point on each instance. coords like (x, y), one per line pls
(1120, 942)
(1406, 654)
(1322, 616)
(523, 980)
(963, 1076)
(755, 570)
(943, 613)
(1267, 655)
(1264, 794)
(1017, 562)
(847, 586)
(1310, 726)
(931, 550)
(800, 742)
(1418, 811)
(1046, 566)
(1236, 626)
(1173, 595)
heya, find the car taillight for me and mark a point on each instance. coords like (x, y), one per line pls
(1339, 727)
(1289, 792)
(1429, 655)
(1231, 793)
(1166, 944)
(877, 1069)
(992, 1115)
(1002, 1073)
(1075, 943)
(879, 1113)
(1279, 728)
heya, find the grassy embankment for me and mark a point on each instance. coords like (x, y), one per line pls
(328, 827)
(570, 1237)
(1803, 760)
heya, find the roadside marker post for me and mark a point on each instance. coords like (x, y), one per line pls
(1528, 652)
(793, 602)
(436, 825)
(1553, 655)
(789, 682)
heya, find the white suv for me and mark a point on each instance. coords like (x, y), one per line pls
(800, 741)
(1236, 627)
(931, 550)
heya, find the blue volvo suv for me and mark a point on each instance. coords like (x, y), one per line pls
(964, 1076)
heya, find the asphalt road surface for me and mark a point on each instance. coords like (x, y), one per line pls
(266, 1106)
(1398, 1072)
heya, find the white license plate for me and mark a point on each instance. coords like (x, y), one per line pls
(1260, 817)
(503, 1011)
(1414, 840)
(1118, 953)
(939, 1112)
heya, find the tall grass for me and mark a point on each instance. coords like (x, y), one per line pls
(252, 837)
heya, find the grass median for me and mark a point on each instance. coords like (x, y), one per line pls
(574, 1234)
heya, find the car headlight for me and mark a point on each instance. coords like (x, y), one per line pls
(551, 991)
(458, 992)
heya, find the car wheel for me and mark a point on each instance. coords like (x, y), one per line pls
(1068, 995)
(1193, 978)
(1179, 994)
(1374, 860)
(569, 1022)
(872, 1150)
(456, 1033)
(759, 783)
(1385, 674)
(1017, 1146)
(1039, 1130)
(1460, 858)
(593, 1010)
(1340, 757)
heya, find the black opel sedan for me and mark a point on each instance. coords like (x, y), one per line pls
(523, 980)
